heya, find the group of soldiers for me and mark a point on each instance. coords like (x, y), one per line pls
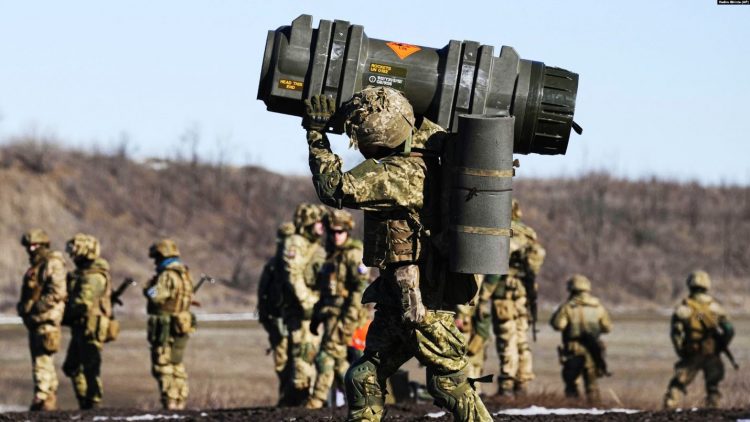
(83, 299)
(316, 290)
(310, 303)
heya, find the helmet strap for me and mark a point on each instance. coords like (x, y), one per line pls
(407, 144)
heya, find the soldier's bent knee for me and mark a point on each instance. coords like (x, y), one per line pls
(448, 390)
(362, 386)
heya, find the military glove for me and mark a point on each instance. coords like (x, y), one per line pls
(318, 112)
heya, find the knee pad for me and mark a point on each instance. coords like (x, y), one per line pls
(362, 386)
(448, 390)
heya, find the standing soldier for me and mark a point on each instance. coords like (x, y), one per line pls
(700, 332)
(526, 258)
(303, 257)
(399, 192)
(475, 325)
(513, 299)
(41, 307)
(581, 320)
(87, 312)
(341, 282)
(270, 304)
(170, 322)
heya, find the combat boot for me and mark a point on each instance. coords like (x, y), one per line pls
(50, 403)
(520, 389)
(314, 403)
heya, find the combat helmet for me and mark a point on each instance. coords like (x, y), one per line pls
(378, 116)
(339, 220)
(516, 212)
(579, 283)
(83, 246)
(307, 214)
(35, 237)
(699, 280)
(164, 248)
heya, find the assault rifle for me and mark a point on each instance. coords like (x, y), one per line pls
(204, 278)
(529, 283)
(128, 282)
(722, 346)
(597, 350)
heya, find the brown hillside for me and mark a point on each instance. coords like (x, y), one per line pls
(636, 240)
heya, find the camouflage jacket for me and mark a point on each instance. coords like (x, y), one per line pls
(302, 260)
(170, 291)
(89, 293)
(581, 315)
(400, 195)
(341, 281)
(44, 290)
(697, 323)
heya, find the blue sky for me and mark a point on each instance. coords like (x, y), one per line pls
(663, 84)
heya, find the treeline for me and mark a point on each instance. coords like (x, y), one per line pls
(637, 241)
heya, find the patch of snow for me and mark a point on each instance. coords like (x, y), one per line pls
(12, 408)
(146, 417)
(435, 414)
(539, 410)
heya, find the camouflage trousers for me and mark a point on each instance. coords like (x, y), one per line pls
(685, 371)
(83, 365)
(302, 349)
(525, 371)
(169, 370)
(279, 345)
(506, 343)
(331, 362)
(577, 363)
(44, 341)
(435, 342)
(476, 354)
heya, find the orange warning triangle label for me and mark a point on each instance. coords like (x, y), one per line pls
(403, 50)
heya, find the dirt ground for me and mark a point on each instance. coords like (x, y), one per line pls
(229, 370)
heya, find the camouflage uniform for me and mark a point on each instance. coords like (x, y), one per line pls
(582, 319)
(700, 330)
(476, 330)
(170, 322)
(87, 312)
(270, 304)
(341, 281)
(510, 295)
(41, 307)
(414, 298)
(303, 256)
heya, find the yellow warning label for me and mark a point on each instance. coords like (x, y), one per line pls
(290, 84)
(403, 50)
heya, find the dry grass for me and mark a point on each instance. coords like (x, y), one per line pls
(228, 368)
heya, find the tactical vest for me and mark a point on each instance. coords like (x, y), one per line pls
(583, 319)
(182, 291)
(334, 274)
(103, 304)
(33, 280)
(701, 325)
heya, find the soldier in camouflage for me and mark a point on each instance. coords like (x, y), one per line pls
(41, 307)
(87, 312)
(170, 322)
(303, 257)
(399, 190)
(512, 297)
(581, 320)
(270, 306)
(341, 281)
(474, 324)
(700, 330)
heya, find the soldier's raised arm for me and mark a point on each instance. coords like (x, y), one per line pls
(560, 319)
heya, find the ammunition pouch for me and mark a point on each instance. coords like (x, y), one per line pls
(113, 330)
(159, 329)
(390, 241)
(183, 323)
(97, 328)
